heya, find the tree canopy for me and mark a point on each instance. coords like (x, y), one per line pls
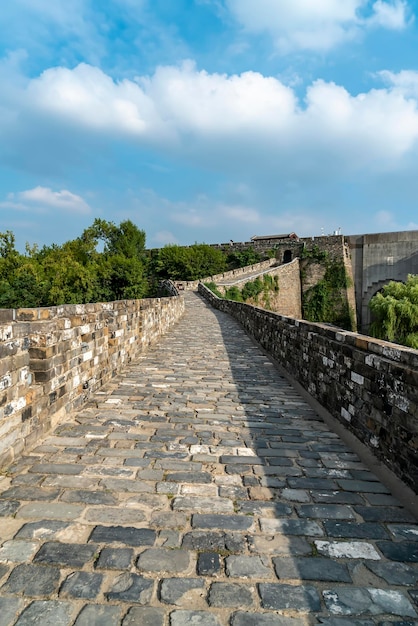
(75, 272)
(395, 312)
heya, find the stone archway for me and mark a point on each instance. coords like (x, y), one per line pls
(287, 256)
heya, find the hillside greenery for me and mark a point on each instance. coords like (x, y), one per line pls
(395, 312)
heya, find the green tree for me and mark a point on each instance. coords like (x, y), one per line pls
(395, 312)
(189, 263)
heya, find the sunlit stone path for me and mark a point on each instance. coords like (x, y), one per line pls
(199, 488)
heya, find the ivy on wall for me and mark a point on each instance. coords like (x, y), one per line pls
(327, 301)
(252, 290)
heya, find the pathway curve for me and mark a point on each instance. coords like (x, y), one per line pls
(200, 489)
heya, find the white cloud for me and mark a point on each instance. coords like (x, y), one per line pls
(391, 15)
(318, 25)
(239, 118)
(43, 199)
(405, 82)
(245, 127)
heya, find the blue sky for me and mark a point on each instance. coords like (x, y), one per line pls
(208, 120)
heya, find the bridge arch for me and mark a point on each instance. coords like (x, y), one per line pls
(372, 290)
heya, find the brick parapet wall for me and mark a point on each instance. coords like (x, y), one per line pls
(52, 359)
(227, 276)
(288, 300)
(370, 386)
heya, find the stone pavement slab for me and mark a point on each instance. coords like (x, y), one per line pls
(199, 488)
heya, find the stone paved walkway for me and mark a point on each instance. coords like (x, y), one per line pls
(200, 489)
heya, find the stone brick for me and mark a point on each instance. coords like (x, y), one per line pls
(123, 534)
(163, 560)
(145, 616)
(99, 615)
(230, 595)
(131, 588)
(32, 580)
(65, 554)
(276, 597)
(182, 591)
(47, 613)
(198, 618)
(81, 585)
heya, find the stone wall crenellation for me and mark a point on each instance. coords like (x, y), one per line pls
(52, 359)
(370, 386)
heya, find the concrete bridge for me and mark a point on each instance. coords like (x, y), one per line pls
(199, 485)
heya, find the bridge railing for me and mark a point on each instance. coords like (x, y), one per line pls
(52, 359)
(370, 386)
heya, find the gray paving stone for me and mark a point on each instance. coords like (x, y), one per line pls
(180, 590)
(57, 468)
(266, 619)
(50, 510)
(360, 486)
(208, 564)
(203, 505)
(384, 514)
(347, 550)
(88, 497)
(343, 621)
(242, 566)
(314, 568)
(29, 493)
(81, 585)
(403, 531)
(312, 483)
(394, 573)
(112, 515)
(123, 534)
(99, 615)
(260, 507)
(356, 601)
(131, 588)
(189, 477)
(231, 595)
(241, 460)
(17, 551)
(164, 560)
(336, 497)
(45, 529)
(381, 499)
(197, 618)
(9, 508)
(170, 519)
(280, 597)
(325, 511)
(32, 580)
(214, 541)
(65, 554)
(144, 616)
(279, 545)
(405, 551)
(398, 623)
(47, 613)
(228, 522)
(366, 530)
(9, 608)
(291, 527)
(115, 558)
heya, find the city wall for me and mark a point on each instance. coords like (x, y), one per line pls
(52, 359)
(370, 386)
